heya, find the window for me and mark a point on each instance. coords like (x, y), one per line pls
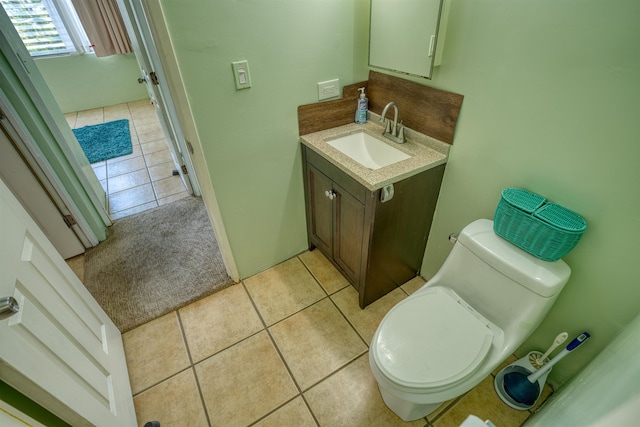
(47, 27)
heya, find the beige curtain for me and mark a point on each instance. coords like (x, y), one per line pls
(102, 21)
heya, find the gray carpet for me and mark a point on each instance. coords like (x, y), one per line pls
(155, 262)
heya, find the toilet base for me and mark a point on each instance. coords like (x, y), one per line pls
(408, 411)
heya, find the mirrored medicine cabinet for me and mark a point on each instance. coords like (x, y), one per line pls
(404, 35)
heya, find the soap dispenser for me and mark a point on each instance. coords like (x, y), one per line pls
(363, 106)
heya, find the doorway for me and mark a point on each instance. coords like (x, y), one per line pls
(146, 178)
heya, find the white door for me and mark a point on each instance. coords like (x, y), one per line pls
(153, 77)
(61, 350)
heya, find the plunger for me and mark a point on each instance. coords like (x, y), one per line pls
(525, 389)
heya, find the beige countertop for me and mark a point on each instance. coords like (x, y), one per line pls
(425, 152)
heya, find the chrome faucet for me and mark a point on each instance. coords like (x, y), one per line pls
(395, 132)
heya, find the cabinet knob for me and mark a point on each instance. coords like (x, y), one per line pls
(330, 194)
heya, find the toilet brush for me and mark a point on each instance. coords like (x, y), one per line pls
(525, 388)
(537, 361)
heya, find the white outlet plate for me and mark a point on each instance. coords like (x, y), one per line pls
(328, 89)
(241, 74)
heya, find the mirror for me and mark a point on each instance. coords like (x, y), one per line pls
(403, 35)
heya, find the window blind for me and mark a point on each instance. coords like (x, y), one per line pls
(46, 27)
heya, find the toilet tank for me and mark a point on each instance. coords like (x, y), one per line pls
(507, 285)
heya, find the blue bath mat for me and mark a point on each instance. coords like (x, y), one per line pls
(105, 141)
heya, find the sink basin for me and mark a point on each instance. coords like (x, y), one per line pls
(367, 150)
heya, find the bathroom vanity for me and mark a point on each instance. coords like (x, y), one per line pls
(372, 224)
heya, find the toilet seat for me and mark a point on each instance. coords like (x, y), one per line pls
(431, 339)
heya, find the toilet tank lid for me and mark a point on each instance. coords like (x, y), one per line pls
(542, 277)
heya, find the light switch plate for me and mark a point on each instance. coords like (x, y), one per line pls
(328, 89)
(241, 74)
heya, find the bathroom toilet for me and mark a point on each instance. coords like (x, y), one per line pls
(449, 335)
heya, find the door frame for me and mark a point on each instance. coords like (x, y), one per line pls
(159, 41)
(145, 50)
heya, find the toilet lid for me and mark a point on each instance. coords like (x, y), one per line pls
(431, 339)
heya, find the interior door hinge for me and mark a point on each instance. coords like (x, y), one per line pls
(189, 146)
(69, 220)
(154, 78)
(184, 170)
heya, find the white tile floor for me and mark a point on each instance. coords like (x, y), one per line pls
(143, 179)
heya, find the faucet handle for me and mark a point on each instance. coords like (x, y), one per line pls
(387, 126)
(400, 131)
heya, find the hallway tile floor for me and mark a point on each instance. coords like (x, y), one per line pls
(286, 347)
(143, 179)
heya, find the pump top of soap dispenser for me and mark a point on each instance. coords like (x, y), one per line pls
(362, 95)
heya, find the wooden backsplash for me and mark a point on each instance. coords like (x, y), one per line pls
(430, 111)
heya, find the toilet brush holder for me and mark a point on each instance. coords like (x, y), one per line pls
(523, 366)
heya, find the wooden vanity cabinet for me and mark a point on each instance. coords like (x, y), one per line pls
(377, 245)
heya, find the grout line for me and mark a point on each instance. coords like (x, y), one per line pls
(284, 362)
(193, 368)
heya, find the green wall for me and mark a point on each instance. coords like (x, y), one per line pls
(19, 401)
(250, 137)
(83, 82)
(551, 104)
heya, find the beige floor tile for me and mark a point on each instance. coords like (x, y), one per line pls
(135, 152)
(158, 157)
(325, 273)
(366, 321)
(283, 290)
(153, 146)
(128, 180)
(155, 351)
(173, 198)
(123, 114)
(484, 403)
(219, 321)
(162, 170)
(71, 119)
(295, 413)
(148, 134)
(245, 382)
(100, 170)
(174, 403)
(316, 342)
(120, 167)
(144, 120)
(139, 114)
(133, 210)
(350, 397)
(413, 285)
(131, 198)
(168, 187)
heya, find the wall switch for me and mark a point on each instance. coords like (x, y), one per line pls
(241, 74)
(328, 89)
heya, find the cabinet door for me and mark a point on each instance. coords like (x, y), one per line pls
(320, 226)
(348, 233)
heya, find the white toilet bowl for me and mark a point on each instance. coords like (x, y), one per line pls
(450, 334)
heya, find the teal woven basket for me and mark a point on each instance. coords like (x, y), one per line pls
(545, 230)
